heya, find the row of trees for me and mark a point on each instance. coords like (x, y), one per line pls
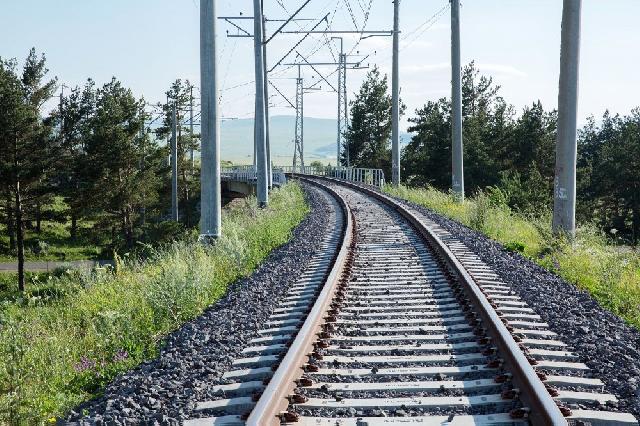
(94, 152)
(504, 149)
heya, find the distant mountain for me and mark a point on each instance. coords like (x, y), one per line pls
(319, 140)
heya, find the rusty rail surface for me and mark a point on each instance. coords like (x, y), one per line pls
(274, 400)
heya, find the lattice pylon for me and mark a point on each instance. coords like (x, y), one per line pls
(298, 149)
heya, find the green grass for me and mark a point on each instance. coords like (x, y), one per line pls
(60, 346)
(59, 245)
(610, 275)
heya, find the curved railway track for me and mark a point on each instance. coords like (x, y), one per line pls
(397, 322)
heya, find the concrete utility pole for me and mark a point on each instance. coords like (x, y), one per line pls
(345, 111)
(339, 137)
(457, 167)
(564, 191)
(266, 99)
(61, 111)
(210, 201)
(174, 163)
(143, 209)
(260, 140)
(191, 127)
(395, 96)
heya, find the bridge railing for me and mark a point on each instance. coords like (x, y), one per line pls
(249, 174)
(374, 177)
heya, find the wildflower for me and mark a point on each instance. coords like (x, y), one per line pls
(121, 355)
(84, 364)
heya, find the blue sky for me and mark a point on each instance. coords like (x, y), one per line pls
(149, 43)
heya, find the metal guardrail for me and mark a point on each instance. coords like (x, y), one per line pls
(374, 177)
(249, 174)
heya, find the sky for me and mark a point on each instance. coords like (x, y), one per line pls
(149, 43)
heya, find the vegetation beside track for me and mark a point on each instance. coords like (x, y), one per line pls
(64, 339)
(610, 273)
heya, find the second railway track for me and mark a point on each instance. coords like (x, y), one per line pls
(399, 323)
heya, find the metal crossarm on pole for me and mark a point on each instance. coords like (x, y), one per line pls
(324, 19)
(317, 72)
(283, 96)
(287, 21)
(247, 34)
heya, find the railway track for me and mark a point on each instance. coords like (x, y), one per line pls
(397, 322)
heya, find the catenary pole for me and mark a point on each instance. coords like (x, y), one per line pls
(191, 128)
(457, 166)
(345, 111)
(564, 191)
(143, 136)
(301, 119)
(298, 153)
(339, 136)
(174, 163)
(262, 175)
(395, 97)
(267, 124)
(210, 209)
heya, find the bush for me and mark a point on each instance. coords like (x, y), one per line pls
(57, 354)
(515, 247)
(40, 248)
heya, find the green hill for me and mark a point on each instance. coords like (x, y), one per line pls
(319, 140)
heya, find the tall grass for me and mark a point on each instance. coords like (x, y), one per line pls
(56, 352)
(610, 274)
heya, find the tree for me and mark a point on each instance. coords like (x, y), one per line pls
(426, 160)
(609, 171)
(126, 167)
(367, 139)
(528, 161)
(487, 122)
(74, 121)
(28, 152)
(188, 183)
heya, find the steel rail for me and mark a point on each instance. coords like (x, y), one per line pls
(534, 394)
(274, 399)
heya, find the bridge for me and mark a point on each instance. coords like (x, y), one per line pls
(244, 179)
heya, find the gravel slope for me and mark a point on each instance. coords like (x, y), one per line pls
(164, 390)
(603, 341)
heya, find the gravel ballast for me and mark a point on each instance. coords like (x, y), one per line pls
(194, 357)
(602, 340)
